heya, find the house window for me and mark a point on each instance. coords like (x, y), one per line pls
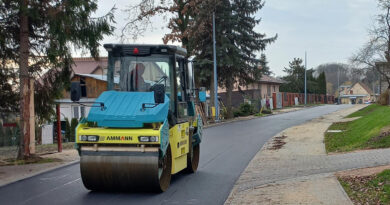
(351, 92)
(274, 89)
(76, 113)
(268, 90)
(82, 111)
(83, 87)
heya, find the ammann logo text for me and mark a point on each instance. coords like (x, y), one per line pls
(121, 138)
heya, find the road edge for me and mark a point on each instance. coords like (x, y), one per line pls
(44, 171)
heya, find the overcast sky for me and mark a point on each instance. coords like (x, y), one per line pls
(329, 30)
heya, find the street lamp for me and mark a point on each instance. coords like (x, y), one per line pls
(215, 73)
(338, 85)
(305, 78)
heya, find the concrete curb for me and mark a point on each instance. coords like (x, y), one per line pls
(39, 173)
(342, 189)
(252, 117)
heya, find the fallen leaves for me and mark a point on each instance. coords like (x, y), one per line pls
(278, 143)
(373, 189)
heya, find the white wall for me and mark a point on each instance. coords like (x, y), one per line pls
(67, 110)
(47, 134)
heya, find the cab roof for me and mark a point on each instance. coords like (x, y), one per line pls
(143, 49)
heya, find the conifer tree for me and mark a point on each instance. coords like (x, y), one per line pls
(322, 83)
(38, 36)
(237, 44)
(295, 77)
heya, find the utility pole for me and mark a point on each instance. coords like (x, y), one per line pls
(305, 78)
(338, 85)
(215, 73)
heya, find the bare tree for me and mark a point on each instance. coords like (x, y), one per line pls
(377, 49)
(178, 14)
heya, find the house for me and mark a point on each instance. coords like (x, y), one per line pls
(358, 93)
(93, 80)
(261, 89)
(383, 84)
(90, 66)
(92, 86)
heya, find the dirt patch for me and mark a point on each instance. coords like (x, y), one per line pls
(360, 191)
(278, 142)
(362, 172)
(385, 133)
(350, 119)
(378, 138)
(367, 186)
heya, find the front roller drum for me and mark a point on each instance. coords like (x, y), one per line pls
(126, 171)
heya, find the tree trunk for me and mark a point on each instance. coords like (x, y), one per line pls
(25, 90)
(229, 90)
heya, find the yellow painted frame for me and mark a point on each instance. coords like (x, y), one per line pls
(109, 135)
(179, 141)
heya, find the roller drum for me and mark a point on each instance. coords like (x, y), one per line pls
(123, 171)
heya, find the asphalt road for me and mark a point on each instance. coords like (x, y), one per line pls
(226, 150)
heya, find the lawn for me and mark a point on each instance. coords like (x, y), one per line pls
(370, 131)
(373, 189)
(11, 152)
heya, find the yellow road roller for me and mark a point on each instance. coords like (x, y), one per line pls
(144, 128)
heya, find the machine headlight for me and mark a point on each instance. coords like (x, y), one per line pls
(93, 138)
(153, 139)
(148, 138)
(89, 138)
(83, 138)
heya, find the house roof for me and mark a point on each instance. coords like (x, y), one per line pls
(271, 80)
(82, 100)
(351, 96)
(364, 86)
(98, 77)
(88, 65)
(369, 91)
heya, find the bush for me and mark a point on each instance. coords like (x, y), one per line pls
(245, 109)
(68, 131)
(265, 111)
(384, 98)
(73, 125)
(236, 113)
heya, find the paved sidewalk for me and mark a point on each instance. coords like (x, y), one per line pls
(9, 174)
(301, 172)
(251, 117)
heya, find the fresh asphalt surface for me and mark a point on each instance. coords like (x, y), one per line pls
(226, 150)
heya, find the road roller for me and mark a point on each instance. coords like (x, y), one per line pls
(145, 127)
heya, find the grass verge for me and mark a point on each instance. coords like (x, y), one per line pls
(31, 160)
(53, 147)
(373, 189)
(368, 132)
(12, 151)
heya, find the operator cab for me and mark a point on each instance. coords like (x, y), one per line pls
(142, 68)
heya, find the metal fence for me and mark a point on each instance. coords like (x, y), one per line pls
(9, 135)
